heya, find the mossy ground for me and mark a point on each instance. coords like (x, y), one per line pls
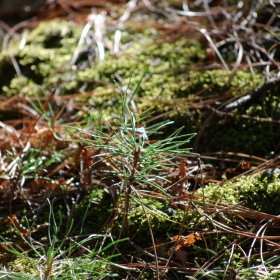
(260, 192)
(173, 77)
(174, 85)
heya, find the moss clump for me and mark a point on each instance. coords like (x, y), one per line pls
(22, 267)
(48, 47)
(159, 219)
(241, 81)
(259, 192)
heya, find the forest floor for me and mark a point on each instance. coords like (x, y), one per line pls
(140, 140)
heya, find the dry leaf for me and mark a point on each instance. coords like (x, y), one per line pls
(186, 241)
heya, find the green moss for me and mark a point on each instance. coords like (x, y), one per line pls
(48, 47)
(275, 273)
(19, 82)
(45, 61)
(23, 265)
(241, 81)
(162, 222)
(95, 209)
(259, 192)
